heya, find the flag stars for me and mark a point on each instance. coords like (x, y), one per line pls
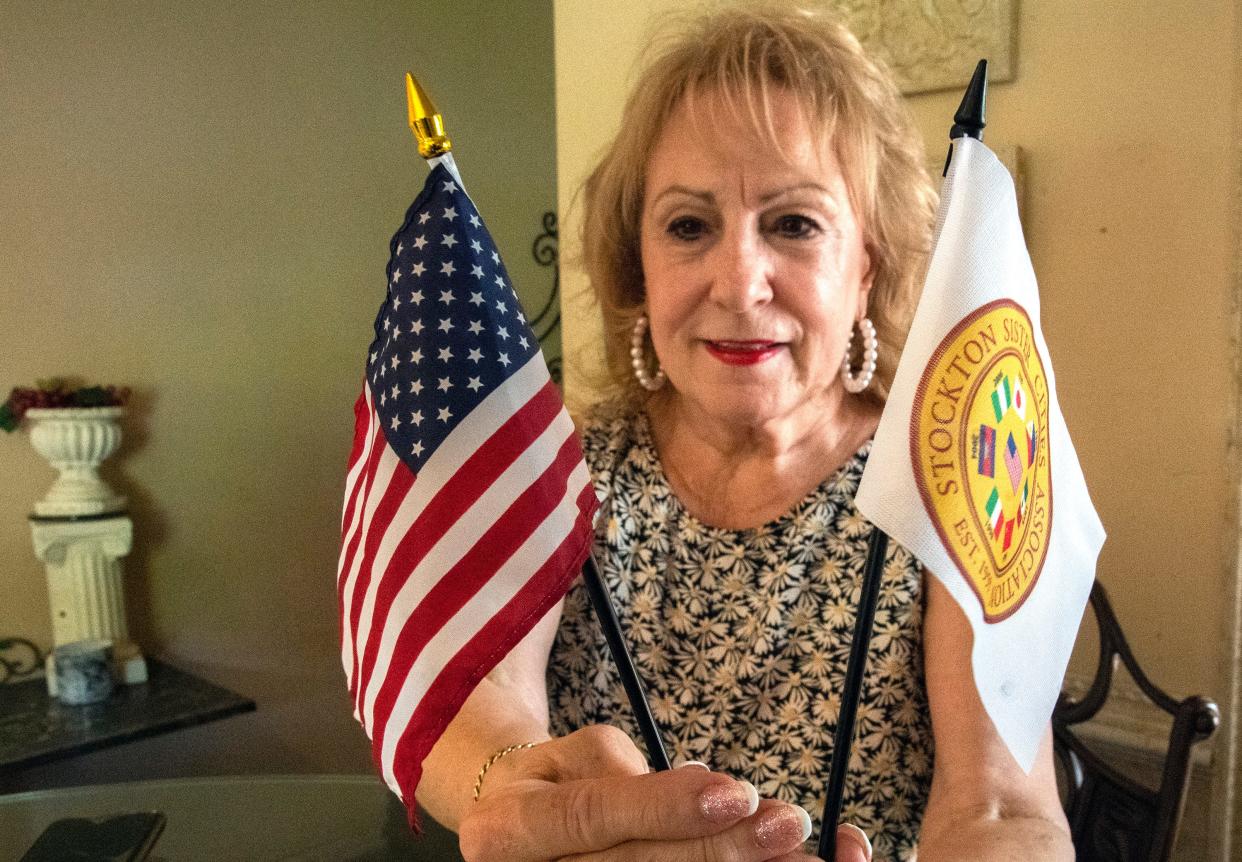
(430, 385)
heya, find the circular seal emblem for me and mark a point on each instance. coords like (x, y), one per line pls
(979, 446)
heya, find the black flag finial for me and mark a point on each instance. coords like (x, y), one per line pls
(968, 122)
(969, 119)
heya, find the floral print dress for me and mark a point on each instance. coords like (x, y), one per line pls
(741, 638)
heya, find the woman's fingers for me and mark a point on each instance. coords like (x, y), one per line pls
(665, 806)
(775, 831)
(852, 844)
(535, 820)
(588, 796)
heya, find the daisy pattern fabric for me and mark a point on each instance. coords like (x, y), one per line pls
(741, 638)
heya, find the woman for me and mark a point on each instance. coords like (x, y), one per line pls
(763, 202)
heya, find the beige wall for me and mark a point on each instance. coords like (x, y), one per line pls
(196, 200)
(1124, 112)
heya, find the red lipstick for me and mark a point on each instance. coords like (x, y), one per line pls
(743, 352)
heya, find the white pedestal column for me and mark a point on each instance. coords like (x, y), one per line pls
(85, 588)
(83, 560)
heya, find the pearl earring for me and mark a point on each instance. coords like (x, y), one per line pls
(650, 382)
(870, 352)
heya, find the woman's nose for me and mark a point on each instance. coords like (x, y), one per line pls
(742, 276)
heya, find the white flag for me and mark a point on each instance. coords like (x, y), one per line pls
(972, 468)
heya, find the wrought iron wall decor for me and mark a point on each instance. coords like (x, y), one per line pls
(545, 250)
(19, 658)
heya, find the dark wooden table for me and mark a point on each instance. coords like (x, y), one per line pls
(36, 729)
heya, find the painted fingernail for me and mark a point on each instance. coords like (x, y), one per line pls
(783, 828)
(724, 803)
(752, 797)
(696, 763)
(858, 835)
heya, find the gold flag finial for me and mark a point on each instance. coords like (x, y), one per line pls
(426, 121)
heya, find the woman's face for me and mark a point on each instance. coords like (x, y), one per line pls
(755, 270)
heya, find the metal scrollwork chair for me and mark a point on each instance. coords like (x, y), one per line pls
(1113, 818)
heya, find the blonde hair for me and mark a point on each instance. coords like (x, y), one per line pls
(744, 53)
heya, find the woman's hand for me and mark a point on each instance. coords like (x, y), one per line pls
(588, 797)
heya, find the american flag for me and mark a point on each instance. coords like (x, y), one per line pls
(468, 505)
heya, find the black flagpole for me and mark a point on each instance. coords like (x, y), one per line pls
(842, 741)
(607, 617)
(967, 122)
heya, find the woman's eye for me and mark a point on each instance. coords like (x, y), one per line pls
(795, 226)
(687, 228)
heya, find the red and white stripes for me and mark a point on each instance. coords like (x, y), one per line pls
(441, 574)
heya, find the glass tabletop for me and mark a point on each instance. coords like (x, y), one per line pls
(343, 818)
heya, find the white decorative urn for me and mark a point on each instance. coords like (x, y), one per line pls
(75, 441)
